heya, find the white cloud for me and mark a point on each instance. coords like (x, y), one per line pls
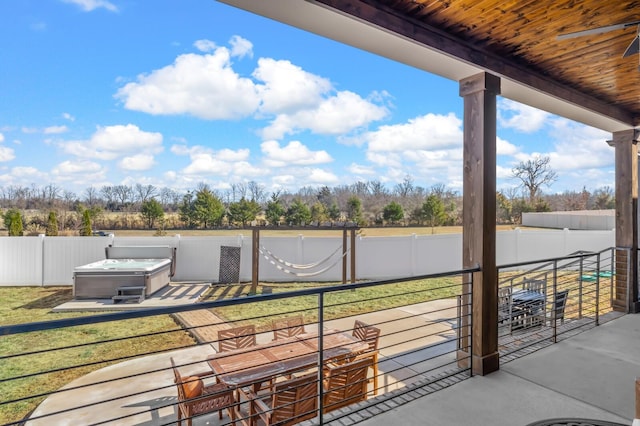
(1, 138)
(520, 117)
(288, 88)
(294, 153)
(51, 130)
(579, 147)
(430, 131)
(69, 169)
(205, 45)
(89, 5)
(241, 47)
(204, 86)
(336, 115)
(68, 116)
(321, 177)
(112, 142)
(361, 170)
(505, 148)
(137, 162)
(207, 162)
(6, 154)
(29, 173)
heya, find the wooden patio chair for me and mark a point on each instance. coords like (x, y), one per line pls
(236, 338)
(559, 304)
(287, 327)
(195, 398)
(291, 401)
(346, 384)
(371, 336)
(534, 285)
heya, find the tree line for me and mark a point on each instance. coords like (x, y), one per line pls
(50, 209)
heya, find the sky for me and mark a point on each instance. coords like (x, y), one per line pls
(179, 93)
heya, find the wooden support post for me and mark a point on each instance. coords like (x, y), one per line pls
(479, 218)
(344, 256)
(255, 260)
(625, 298)
(353, 256)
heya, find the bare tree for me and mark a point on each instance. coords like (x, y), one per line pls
(257, 191)
(238, 191)
(109, 196)
(533, 174)
(405, 188)
(123, 194)
(90, 196)
(145, 192)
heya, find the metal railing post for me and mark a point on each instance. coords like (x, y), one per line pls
(580, 287)
(613, 264)
(598, 289)
(320, 356)
(553, 305)
(470, 313)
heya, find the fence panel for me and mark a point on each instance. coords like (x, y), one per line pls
(22, 259)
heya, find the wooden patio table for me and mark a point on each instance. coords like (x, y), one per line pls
(261, 363)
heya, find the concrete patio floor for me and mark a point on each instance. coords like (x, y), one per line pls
(591, 375)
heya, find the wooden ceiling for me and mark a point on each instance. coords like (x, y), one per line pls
(525, 32)
(514, 39)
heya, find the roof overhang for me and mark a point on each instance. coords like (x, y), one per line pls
(428, 50)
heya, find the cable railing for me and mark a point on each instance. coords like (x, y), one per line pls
(134, 367)
(548, 300)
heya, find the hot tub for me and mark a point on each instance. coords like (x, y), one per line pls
(101, 279)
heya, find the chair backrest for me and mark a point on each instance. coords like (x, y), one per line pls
(559, 303)
(178, 380)
(367, 334)
(504, 296)
(534, 285)
(346, 384)
(237, 338)
(288, 327)
(295, 400)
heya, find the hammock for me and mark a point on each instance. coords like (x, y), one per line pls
(302, 274)
(264, 250)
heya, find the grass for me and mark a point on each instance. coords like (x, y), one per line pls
(32, 304)
(337, 304)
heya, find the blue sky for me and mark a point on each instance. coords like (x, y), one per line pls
(178, 93)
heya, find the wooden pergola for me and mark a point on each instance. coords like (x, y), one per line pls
(511, 49)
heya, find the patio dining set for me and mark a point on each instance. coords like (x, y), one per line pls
(277, 382)
(524, 305)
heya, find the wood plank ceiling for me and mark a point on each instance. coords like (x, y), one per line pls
(524, 33)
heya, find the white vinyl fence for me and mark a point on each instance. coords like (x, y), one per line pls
(35, 261)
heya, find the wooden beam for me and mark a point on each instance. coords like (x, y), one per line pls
(479, 216)
(625, 297)
(380, 15)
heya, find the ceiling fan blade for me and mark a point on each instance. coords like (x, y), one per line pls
(633, 48)
(598, 30)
